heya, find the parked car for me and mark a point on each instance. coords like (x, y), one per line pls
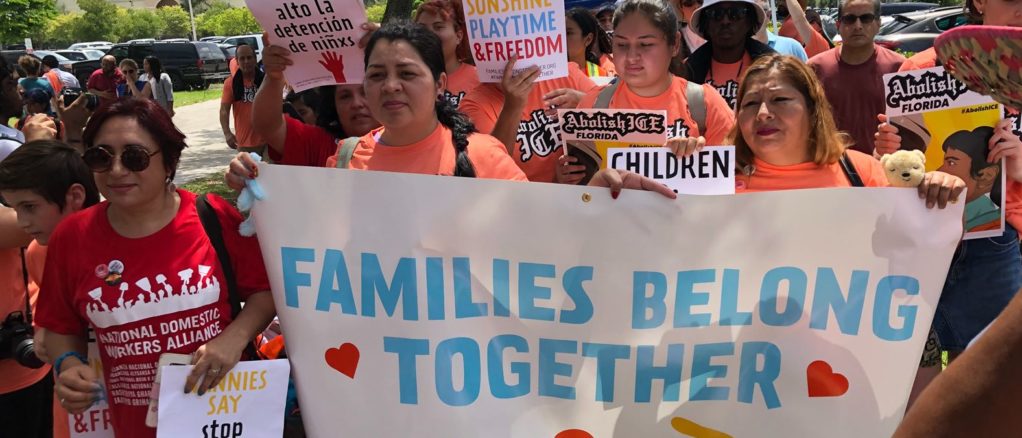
(905, 7)
(915, 32)
(175, 40)
(98, 45)
(189, 64)
(255, 41)
(80, 55)
(230, 52)
(63, 61)
(213, 39)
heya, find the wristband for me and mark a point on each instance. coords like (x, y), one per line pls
(60, 360)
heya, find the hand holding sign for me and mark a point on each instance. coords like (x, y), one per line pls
(517, 86)
(77, 387)
(685, 146)
(276, 59)
(1005, 144)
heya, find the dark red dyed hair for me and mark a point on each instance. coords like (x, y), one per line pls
(152, 118)
(450, 10)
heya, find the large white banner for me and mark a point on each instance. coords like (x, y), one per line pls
(436, 307)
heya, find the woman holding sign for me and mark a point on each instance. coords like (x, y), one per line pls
(422, 132)
(646, 38)
(144, 270)
(447, 20)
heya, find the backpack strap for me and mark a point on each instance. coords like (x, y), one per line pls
(346, 151)
(603, 99)
(696, 97)
(211, 223)
(850, 172)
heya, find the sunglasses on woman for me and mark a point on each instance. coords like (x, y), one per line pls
(852, 18)
(734, 13)
(134, 158)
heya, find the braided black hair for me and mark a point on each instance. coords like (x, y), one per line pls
(427, 44)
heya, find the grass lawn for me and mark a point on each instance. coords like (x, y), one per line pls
(183, 98)
(212, 183)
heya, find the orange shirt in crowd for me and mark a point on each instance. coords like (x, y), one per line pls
(55, 82)
(816, 45)
(538, 137)
(768, 177)
(459, 83)
(35, 260)
(1013, 192)
(725, 78)
(607, 64)
(12, 299)
(242, 113)
(719, 118)
(433, 155)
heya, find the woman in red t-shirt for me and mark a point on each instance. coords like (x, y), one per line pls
(140, 269)
(447, 20)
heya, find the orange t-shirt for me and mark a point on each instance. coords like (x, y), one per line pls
(768, 177)
(12, 299)
(35, 261)
(242, 110)
(925, 59)
(54, 79)
(725, 78)
(538, 133)
(719, 118)
(459, 83)
(607, 64)
(433, 155)
(816, 45)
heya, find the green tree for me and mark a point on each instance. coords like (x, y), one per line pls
(137, 23)
(20, 19)
(176, 23)
(98, 19)
(227, 22)
(375, 12)
(62, 31)
(398, 9)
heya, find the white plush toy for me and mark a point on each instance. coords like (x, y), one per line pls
(904, 168)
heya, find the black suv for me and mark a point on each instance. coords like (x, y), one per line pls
(189, 64)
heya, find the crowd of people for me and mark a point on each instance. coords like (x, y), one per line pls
(722, 76)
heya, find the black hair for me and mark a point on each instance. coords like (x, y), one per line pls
(309, 98)
(586, 21)
(155, 65)
(48, 168)
(704, 21)
(659, 13)
(427, 44)
(975, 144)
(841, 8)
(326, 112)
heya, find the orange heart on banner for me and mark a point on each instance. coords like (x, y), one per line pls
(824, 382)
(344, 359)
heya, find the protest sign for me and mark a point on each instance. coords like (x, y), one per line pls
(634, 139)
(249, 401)
(532, 30)
(937, 114)
(436, 307)
(96, 421)
(322, 36)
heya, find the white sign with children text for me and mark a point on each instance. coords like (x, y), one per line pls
(634, 140)
(531, 30)
(432, 306)
(249, 401)
(322, 36)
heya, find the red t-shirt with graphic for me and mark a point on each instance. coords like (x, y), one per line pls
(719, 118)
(164, 293)
(538, 131)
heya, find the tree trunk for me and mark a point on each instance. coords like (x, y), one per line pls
(398, 9)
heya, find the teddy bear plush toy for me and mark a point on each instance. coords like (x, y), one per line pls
(904, 168)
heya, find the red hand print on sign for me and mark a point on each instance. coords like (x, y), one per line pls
(334, 63)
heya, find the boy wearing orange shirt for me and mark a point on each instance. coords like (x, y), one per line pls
(44, 182)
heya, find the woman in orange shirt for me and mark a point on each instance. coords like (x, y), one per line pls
(584, 39)
(446, 19)
(646, 38)
(422, 132)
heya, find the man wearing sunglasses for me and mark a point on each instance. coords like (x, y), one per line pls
(729, 27)
(857, 60)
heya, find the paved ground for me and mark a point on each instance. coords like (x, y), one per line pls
(206, 152)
